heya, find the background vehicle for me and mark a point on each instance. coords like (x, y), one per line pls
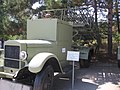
(87, 45)
(118, 56)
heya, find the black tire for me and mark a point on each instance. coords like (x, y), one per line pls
(44, 79)
(85, 63)
(119, 63)
(82, 63)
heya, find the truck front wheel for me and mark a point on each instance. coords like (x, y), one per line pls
(44, 79)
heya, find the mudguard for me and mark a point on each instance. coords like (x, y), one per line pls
(39, 60)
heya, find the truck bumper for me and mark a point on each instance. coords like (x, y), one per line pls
(4, 74)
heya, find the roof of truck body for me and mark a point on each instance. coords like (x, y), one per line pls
(30, 41)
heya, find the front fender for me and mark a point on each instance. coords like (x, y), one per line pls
(39, 60)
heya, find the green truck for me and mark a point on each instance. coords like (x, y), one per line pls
(35, 60)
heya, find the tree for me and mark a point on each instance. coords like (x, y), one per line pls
(117, 15)
(14, 14)
(54, 4)
(17, 14)
(96, 24)
(1, 18)
(110, 16)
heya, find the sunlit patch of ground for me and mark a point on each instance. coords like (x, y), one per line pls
(108, 86)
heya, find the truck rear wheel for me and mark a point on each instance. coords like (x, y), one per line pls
(44, 79)
(82, 63)
(119, 63)
(85, 63)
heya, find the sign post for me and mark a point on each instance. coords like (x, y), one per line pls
(73, 76)
(73, 56)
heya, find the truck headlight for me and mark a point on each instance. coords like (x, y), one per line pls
(1, 53)
(23, 55)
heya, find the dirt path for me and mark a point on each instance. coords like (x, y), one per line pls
(103, 74)
(100, 76)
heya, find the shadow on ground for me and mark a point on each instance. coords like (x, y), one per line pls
(103, 74)
(64, 82)
(97, 77)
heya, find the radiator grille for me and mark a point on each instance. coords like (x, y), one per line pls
(11, 63)
(12, 56)
(12, 52)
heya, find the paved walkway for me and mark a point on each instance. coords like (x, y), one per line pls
(8, 85)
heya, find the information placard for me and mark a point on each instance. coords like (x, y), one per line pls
(73, 55)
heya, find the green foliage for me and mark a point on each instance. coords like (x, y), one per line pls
(78, 2)
(2, 14)
(116, 37)
(16, 9)
(55, 4)
(103, 27)
(14, 14)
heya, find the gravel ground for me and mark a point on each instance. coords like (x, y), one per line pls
(100, 76)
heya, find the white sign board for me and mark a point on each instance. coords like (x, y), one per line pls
(63, 50)
(73, 55)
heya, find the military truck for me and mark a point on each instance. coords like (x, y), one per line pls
(35, 60)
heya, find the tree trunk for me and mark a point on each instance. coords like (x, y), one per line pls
(110, 4)
(117, 15)
(96, 25)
